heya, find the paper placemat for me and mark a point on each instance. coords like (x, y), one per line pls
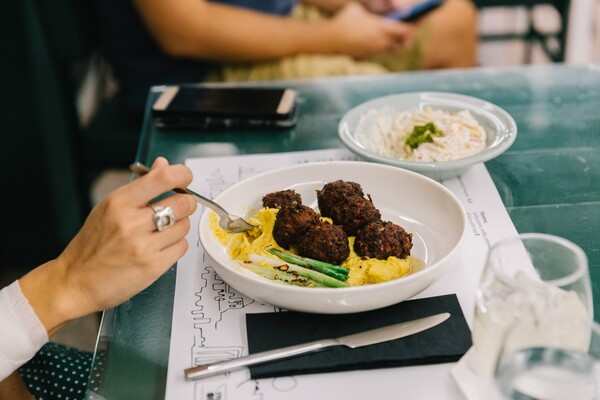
(209, 317)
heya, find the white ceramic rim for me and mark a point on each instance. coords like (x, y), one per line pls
(367, 288)
(502, 140)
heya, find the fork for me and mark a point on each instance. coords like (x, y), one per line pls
(228, 222)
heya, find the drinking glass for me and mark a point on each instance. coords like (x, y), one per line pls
(535, 293)
(550, 373)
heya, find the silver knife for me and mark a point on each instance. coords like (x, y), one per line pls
(373, 336)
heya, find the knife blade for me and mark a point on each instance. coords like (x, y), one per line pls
(373, 336)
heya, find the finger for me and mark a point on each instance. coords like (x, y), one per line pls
(395, 4)
(163, 260)
(396, 28)
(160, 162)
(400, 37)
(156, 182)
(169, 256)
(171, 235)
(183, 205)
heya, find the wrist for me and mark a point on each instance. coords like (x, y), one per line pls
(45, 289)
(318, 38)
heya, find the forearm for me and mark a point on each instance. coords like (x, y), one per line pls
(327, 5)
(14, 388)
(47, 294)
(213, 31)
(375, 6)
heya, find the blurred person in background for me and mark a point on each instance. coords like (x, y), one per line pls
(151, 42)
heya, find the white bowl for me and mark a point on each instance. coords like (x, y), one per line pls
(421, 205)
(358, 125)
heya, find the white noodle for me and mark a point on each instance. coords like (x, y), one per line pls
(461, 135)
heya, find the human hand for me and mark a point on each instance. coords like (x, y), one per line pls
(381, 6)
(117, 253)
(360, 33)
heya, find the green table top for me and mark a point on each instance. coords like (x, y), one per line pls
(549, 181)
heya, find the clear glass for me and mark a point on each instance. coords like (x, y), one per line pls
(550, 373)
(535, 292)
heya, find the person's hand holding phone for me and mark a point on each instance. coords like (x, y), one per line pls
(382, 6)
(360, 33)
(413, 11)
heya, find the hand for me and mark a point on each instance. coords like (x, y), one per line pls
(118, 251)
(361, 34)
(375, 6)
(381, 6)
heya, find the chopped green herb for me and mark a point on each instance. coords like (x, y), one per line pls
(423, 134)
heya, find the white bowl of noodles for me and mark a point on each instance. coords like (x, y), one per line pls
(474, 131)
(421, 205)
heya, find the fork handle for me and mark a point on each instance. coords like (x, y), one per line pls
(141, 170)
(205, 202)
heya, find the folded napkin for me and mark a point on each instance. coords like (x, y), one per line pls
(443, 343)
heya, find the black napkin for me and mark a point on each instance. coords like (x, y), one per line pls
(443, 343)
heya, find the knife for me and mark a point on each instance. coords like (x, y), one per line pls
(373, 336)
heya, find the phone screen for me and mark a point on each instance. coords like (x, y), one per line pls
(202, 107)
(414, 11)
(227, 102)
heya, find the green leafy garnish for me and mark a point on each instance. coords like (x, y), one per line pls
(422, 134)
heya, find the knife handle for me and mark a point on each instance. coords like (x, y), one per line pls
(206, 370)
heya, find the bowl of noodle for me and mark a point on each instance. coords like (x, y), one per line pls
(437, 134)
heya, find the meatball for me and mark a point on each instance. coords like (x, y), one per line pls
(383, 239)
(353, 213)
(292, 222)
(281, 199)
(325, 242)
(335, 192)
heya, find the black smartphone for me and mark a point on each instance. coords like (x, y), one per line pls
(208, 108)
(414, 11)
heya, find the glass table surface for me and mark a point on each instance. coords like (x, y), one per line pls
(549, 181)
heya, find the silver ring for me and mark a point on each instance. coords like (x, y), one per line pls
(163, 216)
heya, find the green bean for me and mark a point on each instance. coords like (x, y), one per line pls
(335, 271)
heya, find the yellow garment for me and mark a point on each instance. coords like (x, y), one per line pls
(312, 66)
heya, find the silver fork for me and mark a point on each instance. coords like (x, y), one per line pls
(230, 223)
